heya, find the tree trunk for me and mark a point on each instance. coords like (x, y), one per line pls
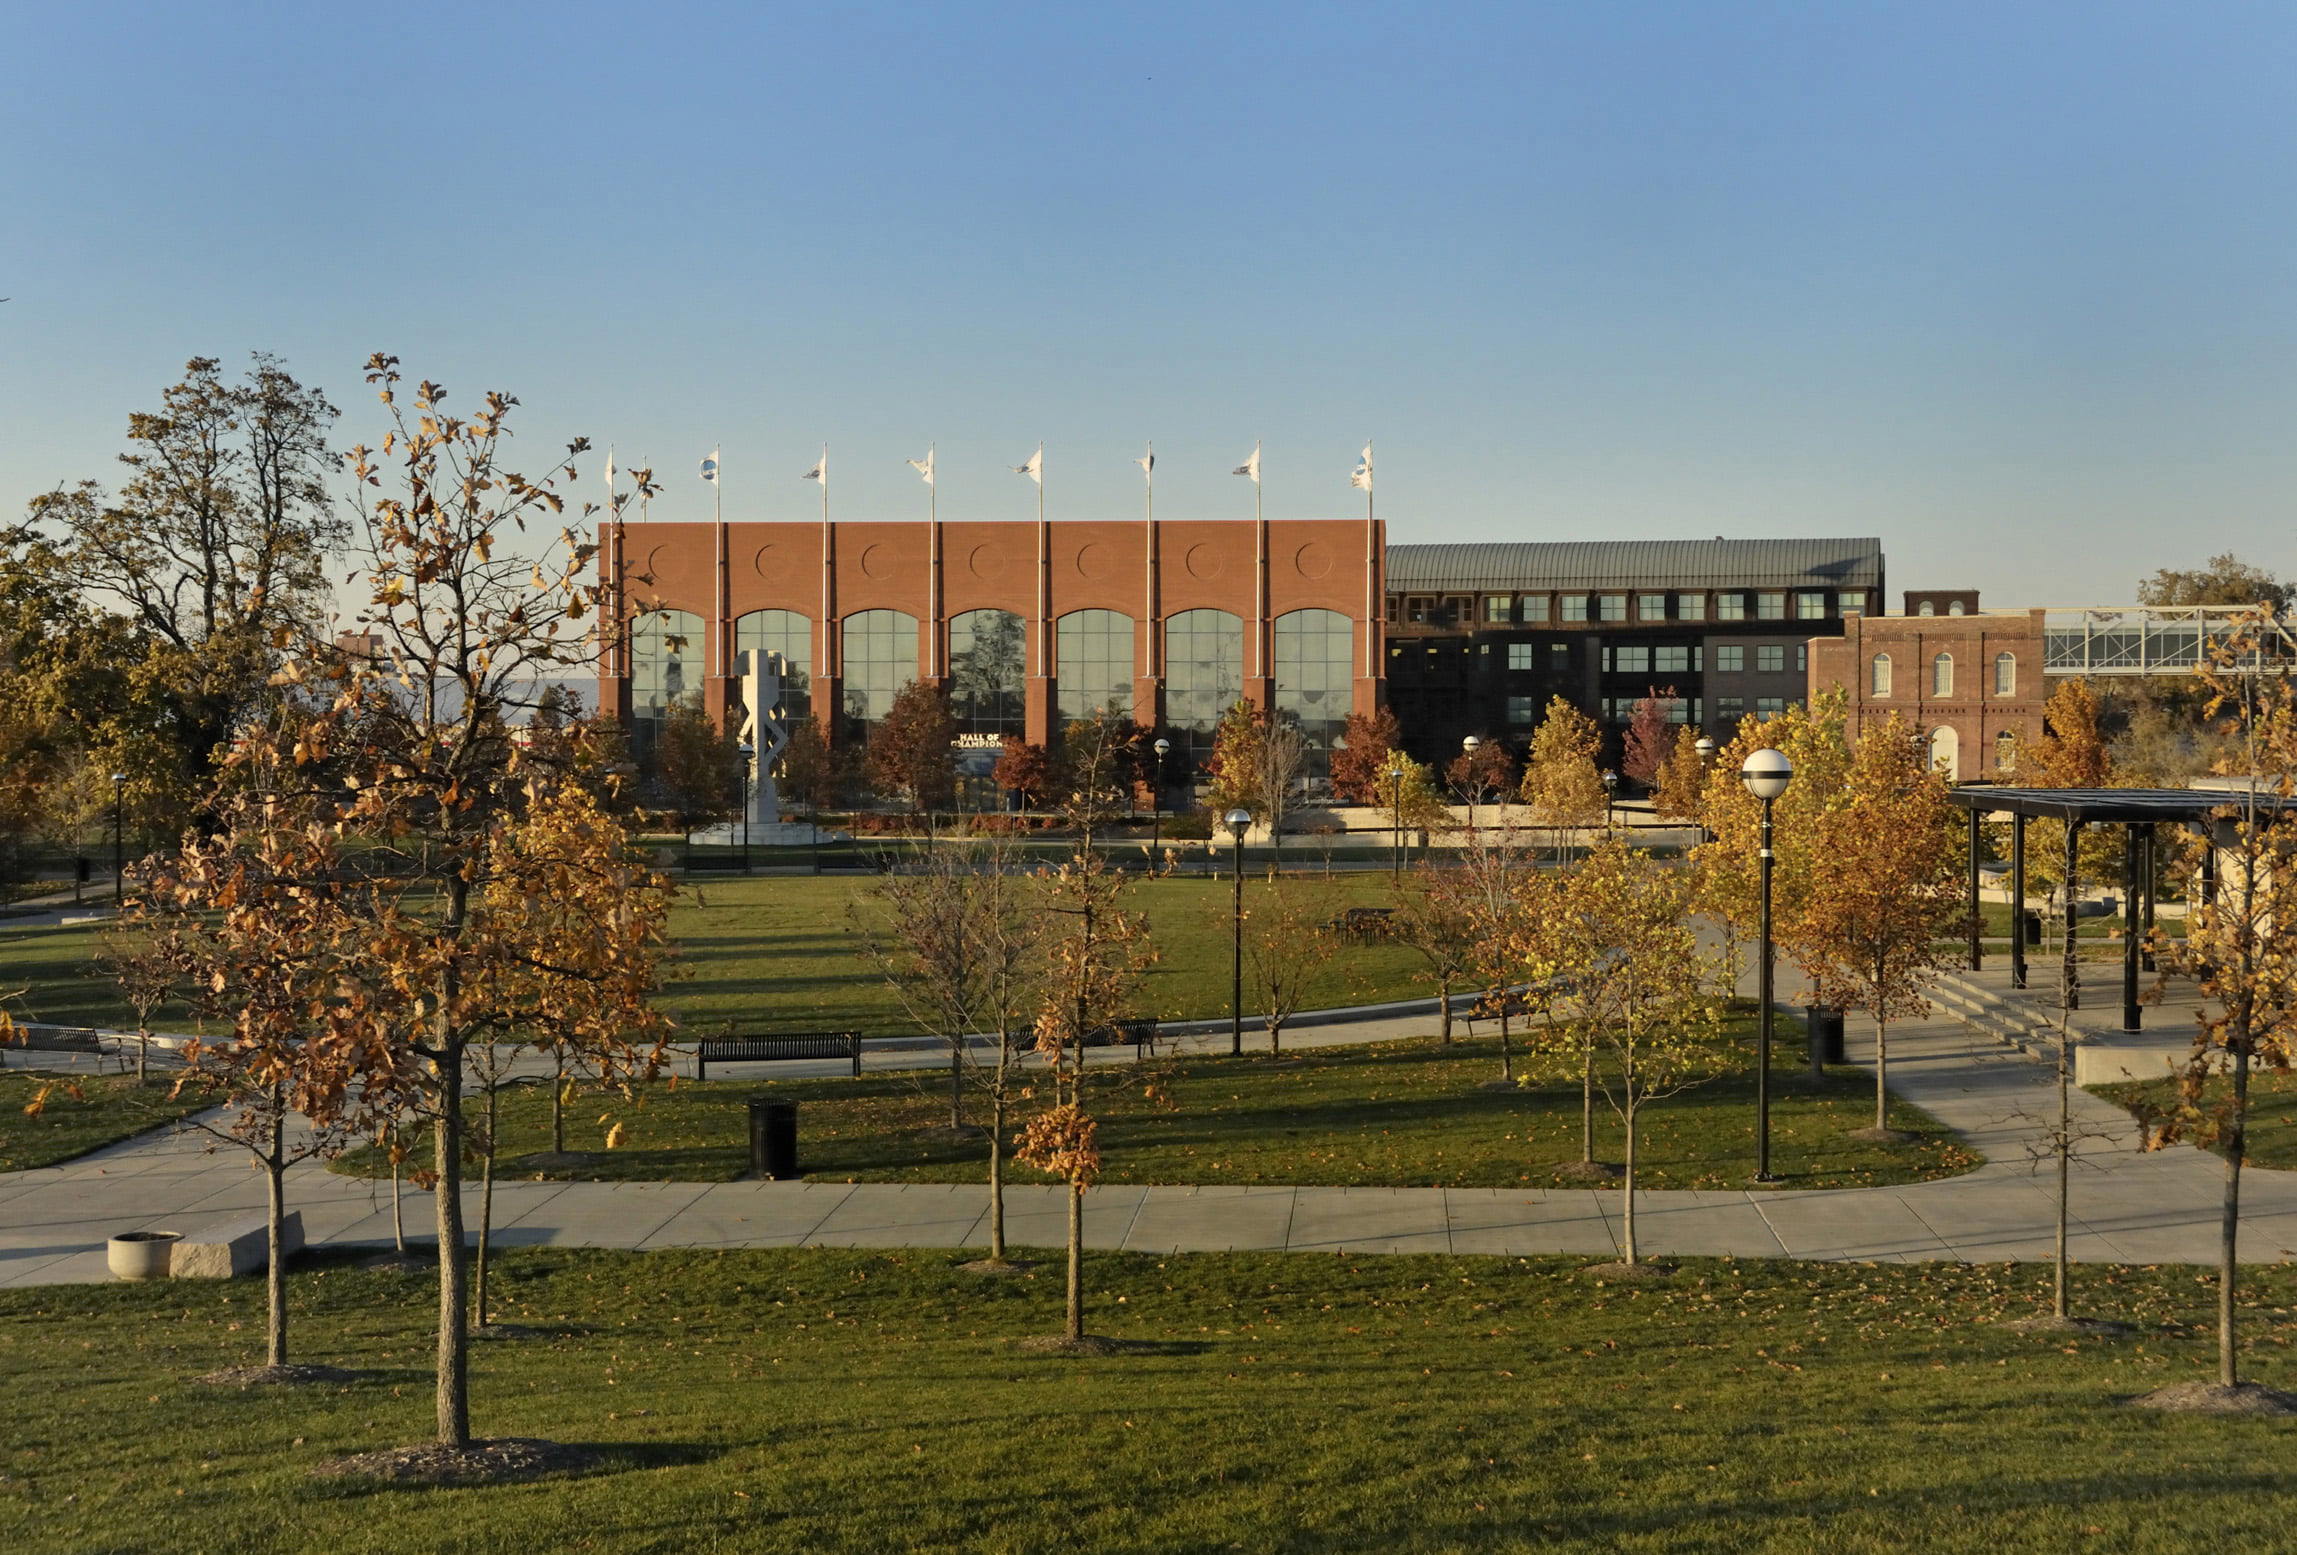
(1587, 1105)
(398, 1220)
(1075, 1327)
(275, 1229)
(143, 1052)
(1444, 1007)
(1627, 1181)
(486, 1207)
(558, 1106)
(1506, 1053)
(454, 1399)
(1881, 1073)
(956, 1082)
(1275, 1042)
(997, 1176)
(2228, 1266)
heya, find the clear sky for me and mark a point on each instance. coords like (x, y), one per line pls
(2012, 286)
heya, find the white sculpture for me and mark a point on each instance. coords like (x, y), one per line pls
(765, 731)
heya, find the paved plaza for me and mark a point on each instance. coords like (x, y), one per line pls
(2129, 1206)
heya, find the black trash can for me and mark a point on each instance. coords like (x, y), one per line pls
(2033, 921)
(773, 1138)
(1825, 1028)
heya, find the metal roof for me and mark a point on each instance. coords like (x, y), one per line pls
(1633, 564)
(2107, 804)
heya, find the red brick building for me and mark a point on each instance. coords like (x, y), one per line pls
(1027, 624)
(1969, 681)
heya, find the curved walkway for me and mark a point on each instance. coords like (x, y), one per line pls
(2129, 1206)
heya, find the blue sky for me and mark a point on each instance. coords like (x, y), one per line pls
(2012, 286)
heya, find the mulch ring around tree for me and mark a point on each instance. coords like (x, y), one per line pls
(1090, 1344)
(278, 1377)
(1595, 1174)
(1639, 1270)
(500, 1461)
(2215, 1398)
(1002, 1267)
(2049, 1323)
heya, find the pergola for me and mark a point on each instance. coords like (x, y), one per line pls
(2139, 812)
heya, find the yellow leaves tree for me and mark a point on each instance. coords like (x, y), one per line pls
(1090, 965)
(1648, 997)
(1728, 869)
(1871, 926)
(1287, 947)
(2241, 947)
(1408, 793)
(1679, 792)
(1562, 784)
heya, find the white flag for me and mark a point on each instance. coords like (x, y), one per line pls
(1035, 468)
(1147, 462)
(1250, 468)
(609, 472)
(924, 467)
(710, 466)
(1362, 479)
(819, 472)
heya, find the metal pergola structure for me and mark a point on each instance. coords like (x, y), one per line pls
(2140, 812)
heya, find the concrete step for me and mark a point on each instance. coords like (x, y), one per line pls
(1982, 1010)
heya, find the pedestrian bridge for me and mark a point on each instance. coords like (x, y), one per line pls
(2154, 640)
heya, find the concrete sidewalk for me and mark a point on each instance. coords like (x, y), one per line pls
(2129, 1206)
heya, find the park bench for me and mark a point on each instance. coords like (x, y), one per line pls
(1364, 924)
(774, 1049)
(1140, 1033)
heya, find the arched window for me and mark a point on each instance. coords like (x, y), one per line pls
(1942, 675)
(2005, 674)
(880, 658)
(1946, 753)
(665, 666)
(1203, 673)
(2005, 750)
(1879, 683)
(1928, 609)
(792, 636)
(987, 667)
(1954, 608)
(1092, 664)
(1315, 672)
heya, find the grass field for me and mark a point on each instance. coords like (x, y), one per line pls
(1394, 1114)
(827, 1401)
(787, 951)
(77, 1114)
(2272, 1137)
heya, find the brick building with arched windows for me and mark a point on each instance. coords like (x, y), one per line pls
(1969, 682)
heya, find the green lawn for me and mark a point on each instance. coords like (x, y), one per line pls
(78, 1113)
(786, 952)
(823, 1401)
(2272, 1111)
(1395, 1113)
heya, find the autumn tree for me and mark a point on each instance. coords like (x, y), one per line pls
(404, 752)
(1287, 948)
(908, 752)
(696, 768)
(1486, 886)
(1877, 920)
(1728, 869)
(2241, 950)
(213, 545)
(1557, 952)
(2072, 752)
(1090, 961)
(247, 917)
(1476, 775)
(1360, 755)
(1437, 922)
(1233, 772)
(1562, 785)
(1652, 1009)
(1100, 761)
(1679, 791)
(2222, 580)
(1283, 760)
(814, 772)
(1408, 794)
(1028, 769)
(1647, 744)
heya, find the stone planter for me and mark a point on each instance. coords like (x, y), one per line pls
(140, 1255)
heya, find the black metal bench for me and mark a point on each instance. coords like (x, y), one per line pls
(1140, 1033)
(774, 1049)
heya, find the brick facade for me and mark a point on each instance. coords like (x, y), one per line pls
(1964, 719)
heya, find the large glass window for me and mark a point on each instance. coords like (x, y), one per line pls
(1879, 683)
(880, 658)
(1770, 658)
(1093, 666)
(1810, 606)
(1942, 675)
(1730, 607)
(792, 636)
(2005, 674)
(1203, 673)
(986, 670)
(1650, 607)
(1730, 658)
(1532, 607)
(665, 661)
(1771, 606)
(1675, 660)
(1575, 607)
(1611, 607)
(1315, 671)
(1690, 607)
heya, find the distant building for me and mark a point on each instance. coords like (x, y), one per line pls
(1968, 683)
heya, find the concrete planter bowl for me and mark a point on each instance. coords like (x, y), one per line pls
(141, 1255)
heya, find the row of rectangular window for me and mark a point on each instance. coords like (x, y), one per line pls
(1729, 605)
(1672, 658)
(1526, 712)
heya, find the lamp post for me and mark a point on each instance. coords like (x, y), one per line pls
(1163, 748)
(1610, 788)
(1766, 773)
(1469, 745)
(119, 836)
(1237, 820)
(749, 755)
(1706, 748)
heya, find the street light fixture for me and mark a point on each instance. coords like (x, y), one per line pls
(1469, 745)
(1163, 748)
(749, 755)
(1766, 774)
(1706, 748)
(119, 836)
(1610, 789)
(1237, 820)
